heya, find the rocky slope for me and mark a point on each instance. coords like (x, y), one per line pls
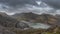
(4, 30)
(9, 25)
(7, 21)
(43, 18)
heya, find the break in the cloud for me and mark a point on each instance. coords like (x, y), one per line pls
(36, 6)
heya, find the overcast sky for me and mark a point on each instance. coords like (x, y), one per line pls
(36, 6)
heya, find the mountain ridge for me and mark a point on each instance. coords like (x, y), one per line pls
(43, 18)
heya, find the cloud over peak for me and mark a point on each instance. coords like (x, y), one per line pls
(35, 6)
(53, 3)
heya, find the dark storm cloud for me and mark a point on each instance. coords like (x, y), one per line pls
(53, 3)
(18, 6)
(22, 3)
(18, 3)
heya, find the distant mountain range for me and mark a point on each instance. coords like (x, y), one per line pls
(43, 18)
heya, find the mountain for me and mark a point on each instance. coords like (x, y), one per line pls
(9, 25)
(26, 16)
(8, 21)
(42, 18)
